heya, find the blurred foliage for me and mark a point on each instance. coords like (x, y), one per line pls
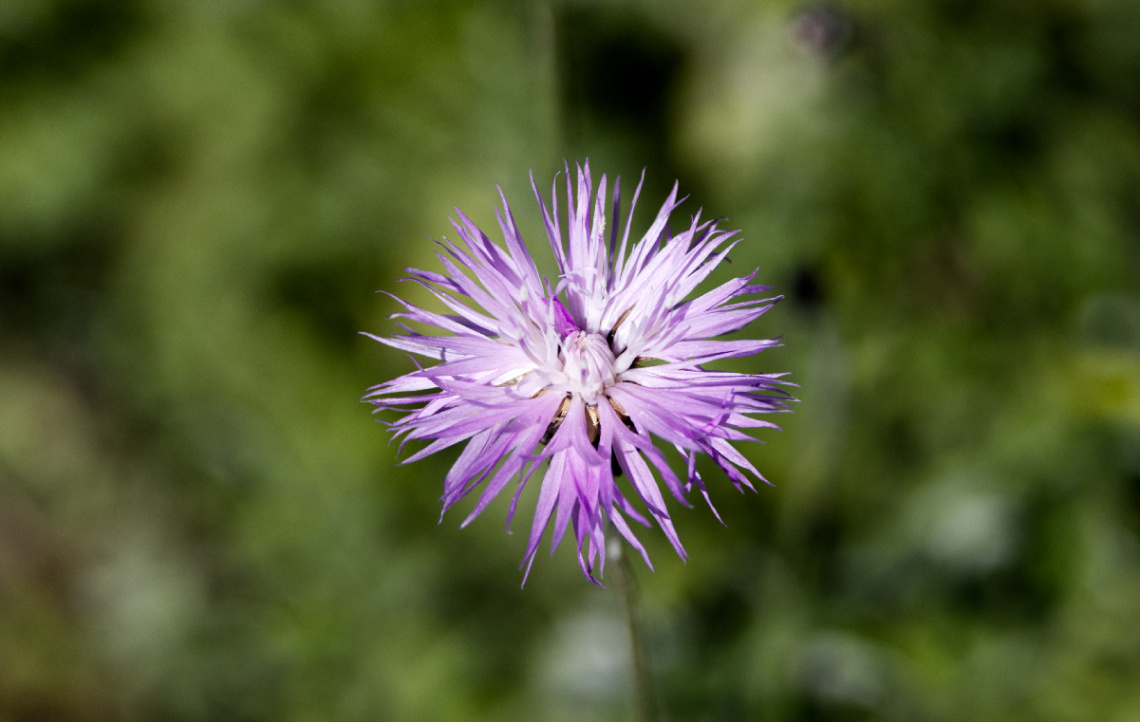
(197, 199)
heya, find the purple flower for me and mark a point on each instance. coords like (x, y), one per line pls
(584, 374)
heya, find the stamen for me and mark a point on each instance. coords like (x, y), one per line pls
(588, 364)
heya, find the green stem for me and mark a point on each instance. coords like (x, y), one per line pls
(627, 587)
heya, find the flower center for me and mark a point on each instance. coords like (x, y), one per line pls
(588, 363)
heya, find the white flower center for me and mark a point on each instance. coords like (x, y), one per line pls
(588, 363)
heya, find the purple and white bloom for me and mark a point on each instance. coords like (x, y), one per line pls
(584, 376)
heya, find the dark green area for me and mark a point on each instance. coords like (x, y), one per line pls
(198, 520)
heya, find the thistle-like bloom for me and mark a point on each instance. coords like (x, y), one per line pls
(583, 375)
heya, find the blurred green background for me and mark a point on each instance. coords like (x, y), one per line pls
(199, 520)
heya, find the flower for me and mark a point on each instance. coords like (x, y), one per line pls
(584, 374)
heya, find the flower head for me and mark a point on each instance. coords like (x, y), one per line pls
(585, 376)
